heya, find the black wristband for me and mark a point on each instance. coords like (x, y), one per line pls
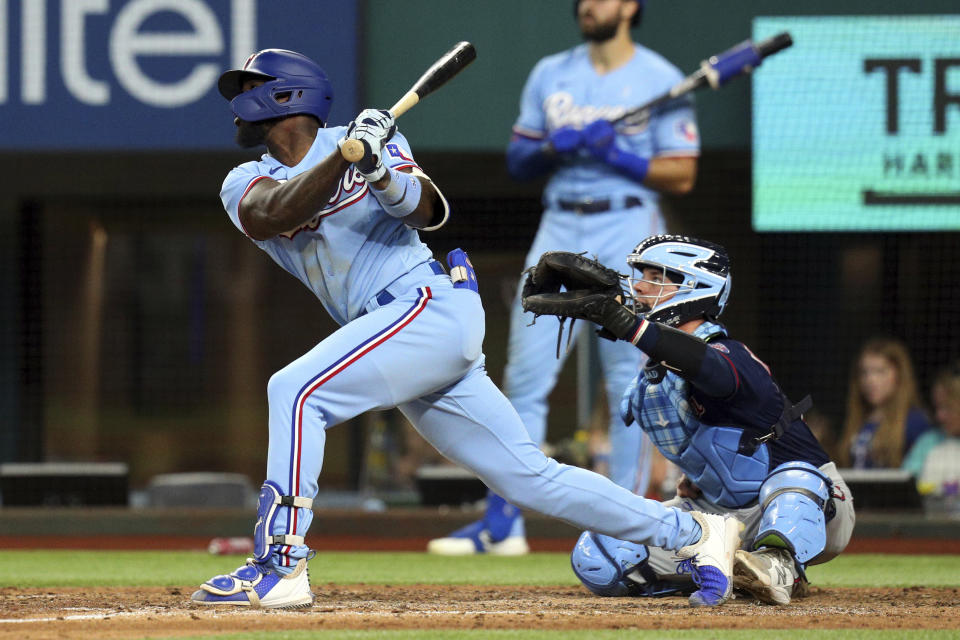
(619, 321)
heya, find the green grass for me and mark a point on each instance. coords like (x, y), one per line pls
(593, 634)
(167, 568)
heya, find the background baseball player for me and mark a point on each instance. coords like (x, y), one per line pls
(713, 408)
(410, 337)
(603, 187)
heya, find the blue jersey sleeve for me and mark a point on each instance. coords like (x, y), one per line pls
(756, 402)
(532, 122)
(235, 187)
(675, 129)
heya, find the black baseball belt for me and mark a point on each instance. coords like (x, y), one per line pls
(598, 206)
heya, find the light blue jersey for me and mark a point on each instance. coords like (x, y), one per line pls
(351, 249)
(565, 90)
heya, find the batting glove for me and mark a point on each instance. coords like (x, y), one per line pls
(598, 137)
(565, 139)
(373, 128)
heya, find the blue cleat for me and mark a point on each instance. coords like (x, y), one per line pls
(711, 558)
(257, 585)
(499, 533)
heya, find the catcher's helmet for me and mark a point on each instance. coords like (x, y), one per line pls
(634, 21)
(286, 74)
(701, 269)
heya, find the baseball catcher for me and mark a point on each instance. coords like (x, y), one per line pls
(712, 408)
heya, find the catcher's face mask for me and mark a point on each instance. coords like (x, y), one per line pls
(655, 286)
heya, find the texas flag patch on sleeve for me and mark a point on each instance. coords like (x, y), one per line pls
(686, 130)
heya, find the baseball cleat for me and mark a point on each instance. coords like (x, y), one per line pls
(711, 558)
(769, 575)
(259, 586)
(476, 538)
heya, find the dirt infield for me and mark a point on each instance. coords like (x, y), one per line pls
(924, 546)
(41, 614)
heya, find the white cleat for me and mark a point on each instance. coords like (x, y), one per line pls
(258, 586)
(512, 546)
(769, 575)
(475, 538)
(711, 558)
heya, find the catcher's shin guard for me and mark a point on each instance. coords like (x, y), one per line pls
(269, 502)
(610, 567)
(793, 499)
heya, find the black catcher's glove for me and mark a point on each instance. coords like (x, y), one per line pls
(593, 292)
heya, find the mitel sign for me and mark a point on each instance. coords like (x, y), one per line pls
(143, 73)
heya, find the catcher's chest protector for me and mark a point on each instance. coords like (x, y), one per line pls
(711, 456)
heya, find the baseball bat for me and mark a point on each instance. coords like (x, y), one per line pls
(447, 66)
(716, 71)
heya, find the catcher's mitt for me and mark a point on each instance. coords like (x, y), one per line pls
(592, 292)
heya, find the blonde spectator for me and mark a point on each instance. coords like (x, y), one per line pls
(935, 458)
(883, 414)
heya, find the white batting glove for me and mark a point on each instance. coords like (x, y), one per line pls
(373, 128)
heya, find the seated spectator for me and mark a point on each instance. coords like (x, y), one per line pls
(883, 415)
(935, 458)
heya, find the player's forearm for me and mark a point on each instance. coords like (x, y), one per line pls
(688, 356)
(272, 208)
(526, 159)
(425, 208)
(668, 174)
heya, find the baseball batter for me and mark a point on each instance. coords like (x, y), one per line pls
(604, 186)
(713, 408)
(410, 337)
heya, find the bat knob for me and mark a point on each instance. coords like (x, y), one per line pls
(351, 150)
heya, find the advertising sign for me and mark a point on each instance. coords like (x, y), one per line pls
(132, 74)
(857, 126)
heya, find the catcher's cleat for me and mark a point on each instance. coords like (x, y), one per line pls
(476, 538)
(257, 585)
(769, 575)
(711, 558)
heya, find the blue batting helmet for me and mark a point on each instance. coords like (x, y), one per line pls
(293, 83)
(701, 270)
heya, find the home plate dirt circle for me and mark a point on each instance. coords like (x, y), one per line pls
(132, 612)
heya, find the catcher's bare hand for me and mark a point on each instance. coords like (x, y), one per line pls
(686, 488)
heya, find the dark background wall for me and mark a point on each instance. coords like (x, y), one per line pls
(136, 324)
